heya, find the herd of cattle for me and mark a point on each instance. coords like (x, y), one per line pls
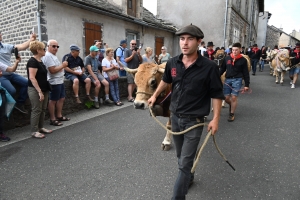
(149, 75)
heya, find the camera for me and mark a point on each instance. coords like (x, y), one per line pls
(135, 48)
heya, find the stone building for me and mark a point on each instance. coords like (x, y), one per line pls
(81, 22)
(223, 22)
(272, 37)
(296, 34)
(276, 36)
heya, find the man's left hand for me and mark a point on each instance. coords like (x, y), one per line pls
(33, 37)
(213, 126)
(246, 89)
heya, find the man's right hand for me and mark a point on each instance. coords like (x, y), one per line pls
(65, 64)
(134, 52)
(18, 59)
(151, 101)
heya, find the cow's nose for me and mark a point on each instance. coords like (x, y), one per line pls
(139, 105)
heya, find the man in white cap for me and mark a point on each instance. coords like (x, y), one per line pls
(74, 72)
(195, 81)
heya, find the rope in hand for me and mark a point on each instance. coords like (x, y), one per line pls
(198, 154)
(242, 91)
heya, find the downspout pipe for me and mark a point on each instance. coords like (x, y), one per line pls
(38, 19)
(251, 21)
(225, 23)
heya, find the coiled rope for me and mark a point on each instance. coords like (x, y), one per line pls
(200, 150)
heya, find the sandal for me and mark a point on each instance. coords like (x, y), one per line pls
(118, 104)
(63, 118)
(78, 100)
(38, 135)
(55, 123)
(121, 103)
(46, 131)
(131, 100)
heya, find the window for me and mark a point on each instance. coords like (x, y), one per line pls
(236, 35)
(130, 4)
(131, 7)
(132, 35)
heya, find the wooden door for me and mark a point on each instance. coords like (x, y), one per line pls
(159, 42)
(92, 32)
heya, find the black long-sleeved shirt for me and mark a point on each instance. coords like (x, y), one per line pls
(254, 55)
(238, 70)
(193, 88)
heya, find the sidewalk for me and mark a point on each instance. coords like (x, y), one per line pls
(23, 133)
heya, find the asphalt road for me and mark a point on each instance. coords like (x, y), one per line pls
(117, 156)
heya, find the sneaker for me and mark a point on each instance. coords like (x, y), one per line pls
(291, 82)
(4, 138)
(108, 101)
(96, 104)
(20, 107)
(293, 86)
(231, 118)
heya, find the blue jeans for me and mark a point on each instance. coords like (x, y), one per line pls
(262, 64)
(253, 64)
(232, 86)
(6, 82)
(114, 89)
(186, 147)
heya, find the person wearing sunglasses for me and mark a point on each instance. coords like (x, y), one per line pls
(56, 79)
(10, 78)
(133, 59)
(164, 56)
(38, 89)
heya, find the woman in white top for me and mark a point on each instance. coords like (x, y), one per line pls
(110, 64)
(147, 56)
(164, 56)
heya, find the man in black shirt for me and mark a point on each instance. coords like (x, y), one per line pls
(195, 80)
(75, 74)
(236, 68)
(254, 54)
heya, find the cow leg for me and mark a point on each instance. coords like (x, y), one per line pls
(282, 77)
(166, 144)
(276, 75)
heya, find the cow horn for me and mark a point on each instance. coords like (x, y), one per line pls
(292, 58)
(132, 71)
(161, 70)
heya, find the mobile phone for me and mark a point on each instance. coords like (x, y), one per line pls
(16, 52)
(141, 46)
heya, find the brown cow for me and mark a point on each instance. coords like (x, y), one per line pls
(281, 64)
(147, 78)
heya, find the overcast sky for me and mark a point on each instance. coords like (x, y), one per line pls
(285, 13)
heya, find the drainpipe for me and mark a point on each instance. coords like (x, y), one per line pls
(251, 19)
(225, 23)
(39, 19)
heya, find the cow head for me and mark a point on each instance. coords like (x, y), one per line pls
(219, 57)
(271, 55)
(283, 56)
(147, 78)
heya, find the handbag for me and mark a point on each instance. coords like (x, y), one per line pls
(113, 75)
(10, 102)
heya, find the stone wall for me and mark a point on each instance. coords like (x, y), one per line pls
(18, 119)
(18, 18)
(272, 37)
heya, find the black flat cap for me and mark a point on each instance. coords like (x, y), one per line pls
(191, 30)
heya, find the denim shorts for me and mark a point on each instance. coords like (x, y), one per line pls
(57, 92)
(294, 71)
(73, 76)
(232, 86)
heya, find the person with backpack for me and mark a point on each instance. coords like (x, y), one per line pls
(119, 55)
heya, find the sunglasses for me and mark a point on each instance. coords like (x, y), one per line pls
(133, 43)
(162, 49)
(54, 46)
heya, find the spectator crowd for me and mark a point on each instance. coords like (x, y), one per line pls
(44, 85)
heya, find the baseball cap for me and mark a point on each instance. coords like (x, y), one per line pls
(123, 42)
(93, 48)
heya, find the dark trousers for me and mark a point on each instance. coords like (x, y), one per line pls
(2, 110)
(186, 147)
(253, 64)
